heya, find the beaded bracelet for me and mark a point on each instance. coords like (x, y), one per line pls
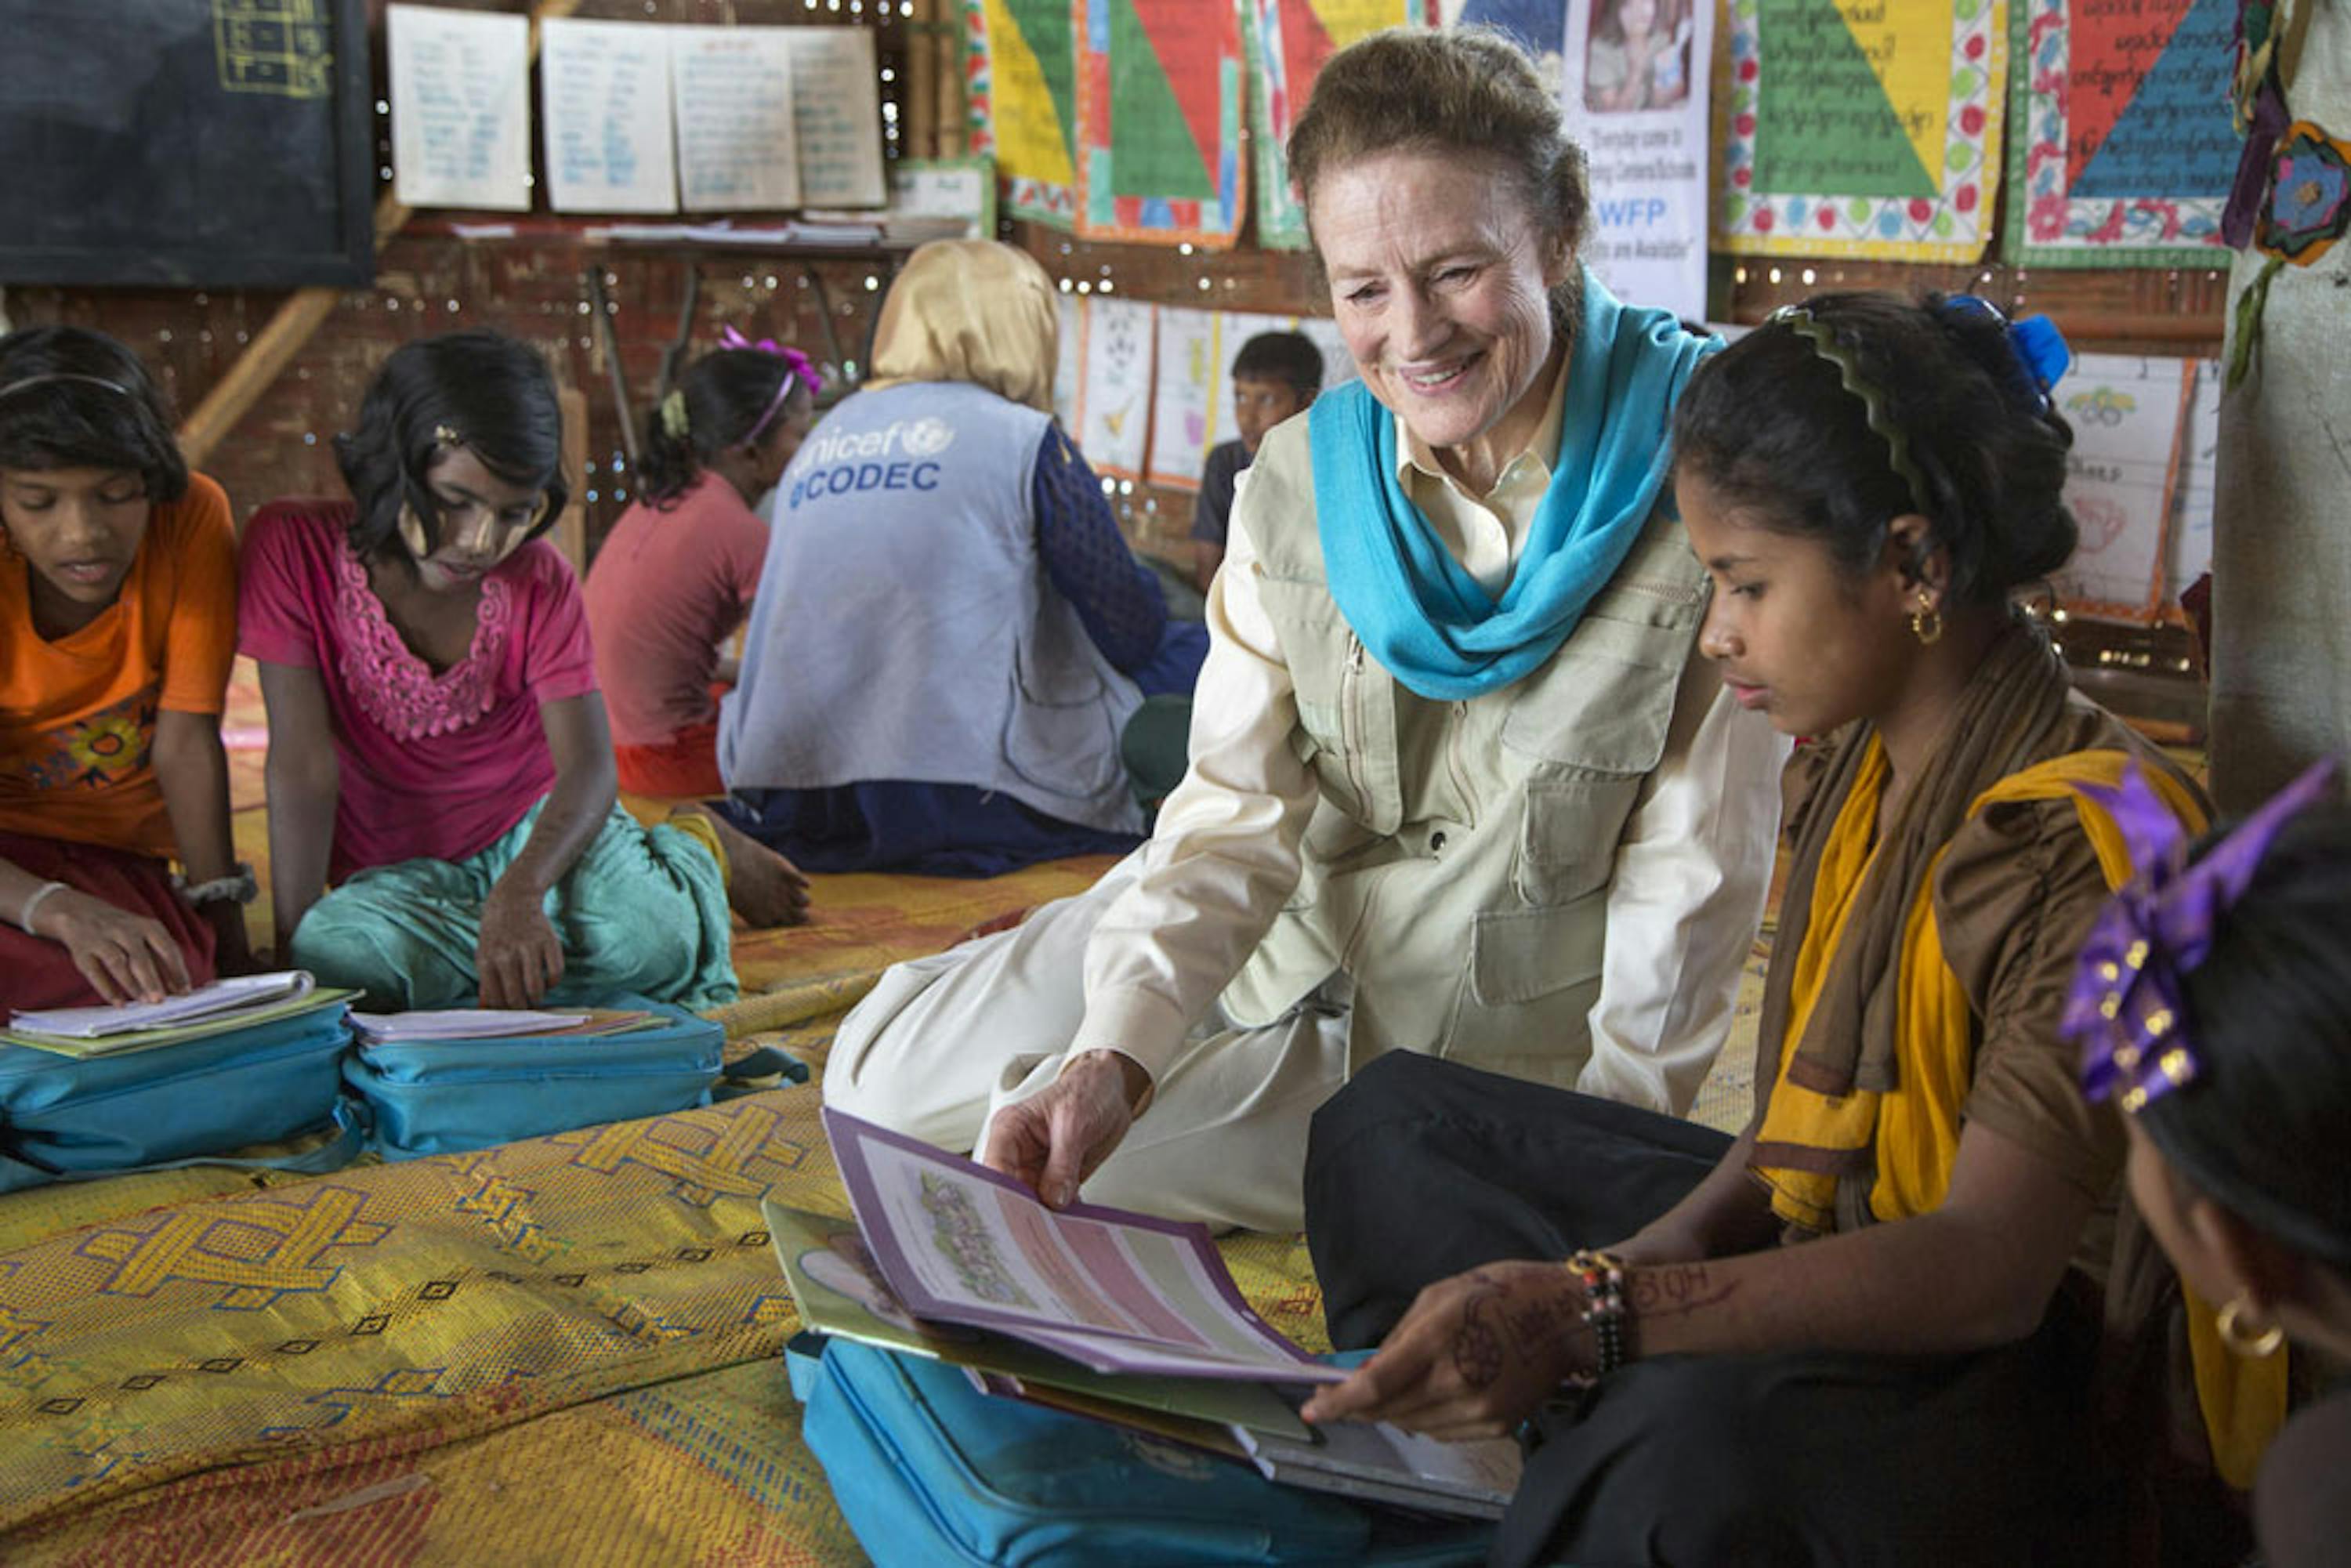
(1607, 1311)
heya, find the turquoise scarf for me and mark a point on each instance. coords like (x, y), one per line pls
(1417, 611)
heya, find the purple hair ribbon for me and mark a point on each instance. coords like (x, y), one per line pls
(797, 372)
(2124, 1004)
(801, 366)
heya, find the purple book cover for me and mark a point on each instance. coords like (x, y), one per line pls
(963, 1244)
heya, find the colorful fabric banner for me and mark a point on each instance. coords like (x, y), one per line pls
(1861, 128)
(2124, 150)
(1022, 91)
(1159, 121)
(1538, 26)
(1290, 39)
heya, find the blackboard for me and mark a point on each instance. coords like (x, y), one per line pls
(190, 144)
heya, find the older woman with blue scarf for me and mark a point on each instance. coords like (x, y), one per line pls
(1460, 783)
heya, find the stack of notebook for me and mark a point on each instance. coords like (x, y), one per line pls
(216, 1008)
(474, 1024)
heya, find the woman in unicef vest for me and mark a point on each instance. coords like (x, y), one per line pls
(950, 631)
(1460, 782)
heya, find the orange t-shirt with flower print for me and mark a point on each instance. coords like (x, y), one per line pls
(78, 715)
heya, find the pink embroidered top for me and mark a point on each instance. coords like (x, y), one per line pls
(435, 764)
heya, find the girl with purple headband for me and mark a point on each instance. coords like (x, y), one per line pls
(1862, 1330)
(676, 577)
(2213, 1006)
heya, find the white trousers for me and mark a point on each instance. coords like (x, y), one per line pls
(944, 1043)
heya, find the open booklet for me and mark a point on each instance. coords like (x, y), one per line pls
(950, 1260)
(1112, 1289)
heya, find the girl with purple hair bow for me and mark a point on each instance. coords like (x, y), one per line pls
(676, 577)
(2213, 1007)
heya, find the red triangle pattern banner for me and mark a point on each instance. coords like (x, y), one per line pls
(1305, 45)
(1170, 24)
(2096, 98)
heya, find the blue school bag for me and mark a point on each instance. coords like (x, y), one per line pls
(930, 1471)
(68, 1119)
(444, 1096)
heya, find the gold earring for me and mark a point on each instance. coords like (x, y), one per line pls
(1927, 622)
(2233, 1330)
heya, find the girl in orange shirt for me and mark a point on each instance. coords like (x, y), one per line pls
(118, 623)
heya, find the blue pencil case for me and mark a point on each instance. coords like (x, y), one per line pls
(65, 1119)
(929, 1471)
(444, 1096)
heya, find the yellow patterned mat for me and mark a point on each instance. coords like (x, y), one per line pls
(563, 1349)
(559, 1351)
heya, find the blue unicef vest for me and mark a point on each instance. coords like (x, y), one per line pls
(905, 627)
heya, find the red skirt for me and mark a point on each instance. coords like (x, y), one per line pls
(683, 768)
(36, 972)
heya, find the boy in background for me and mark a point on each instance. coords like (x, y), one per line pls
(1275, 375)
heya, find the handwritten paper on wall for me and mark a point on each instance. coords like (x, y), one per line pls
(837, 111)
(2124, 150)
(1184, 396)
(1192, 397)
(1022, 88)
(2126, 412)
(604, 108)
(1863, 128)
(1115, 416)
(928, 192)
(460, 108)
(1159, 121)
(737, 145)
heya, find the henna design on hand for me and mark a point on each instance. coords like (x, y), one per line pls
(1677, 1288)
(1476, 1348)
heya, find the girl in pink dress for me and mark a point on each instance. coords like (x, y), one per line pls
(438, 747)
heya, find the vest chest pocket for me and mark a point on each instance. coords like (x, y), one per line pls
(1568, 837)
(1324, 656)
(1315, 640)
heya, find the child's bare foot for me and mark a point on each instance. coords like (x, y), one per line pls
(764, 887)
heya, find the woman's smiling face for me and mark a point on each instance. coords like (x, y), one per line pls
(1440, 279)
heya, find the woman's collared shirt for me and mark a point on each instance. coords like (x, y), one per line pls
(1692, 871)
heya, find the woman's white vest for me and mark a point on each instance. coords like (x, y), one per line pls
(905, 628)
(1458, 862)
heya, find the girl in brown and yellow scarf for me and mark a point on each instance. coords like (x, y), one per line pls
(1862, 1331)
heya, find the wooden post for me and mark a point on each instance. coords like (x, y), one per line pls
(921, 93)
(271, 351)
(954, 135)
(571, 529)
